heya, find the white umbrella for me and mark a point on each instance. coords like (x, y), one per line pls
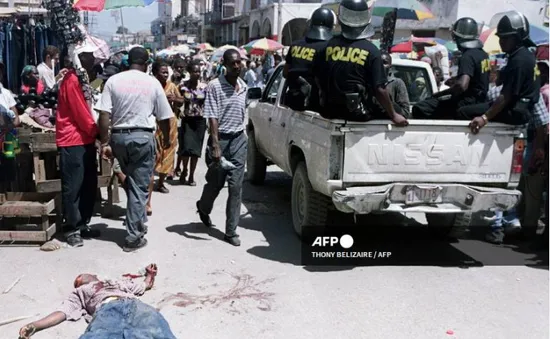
(218, 53)
(181, 49)
(166, 52)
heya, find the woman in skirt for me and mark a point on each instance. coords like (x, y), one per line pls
(166, 157)
(193, 124)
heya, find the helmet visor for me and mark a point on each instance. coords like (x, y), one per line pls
(353, 18)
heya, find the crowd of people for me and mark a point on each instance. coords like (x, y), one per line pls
(151, 115)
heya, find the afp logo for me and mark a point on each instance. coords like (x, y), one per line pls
(346, 241)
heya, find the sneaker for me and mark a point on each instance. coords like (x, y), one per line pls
(234, 240)
(495, 237)
(134, 246)
(205, 218)
(88, 232)
(75, 240)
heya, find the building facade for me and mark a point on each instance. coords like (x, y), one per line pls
(237, 22)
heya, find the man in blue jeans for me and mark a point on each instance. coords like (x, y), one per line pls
(111, 308)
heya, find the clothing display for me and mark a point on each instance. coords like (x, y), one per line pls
(22, 42)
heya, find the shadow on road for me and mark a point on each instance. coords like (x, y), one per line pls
(110, 234)
(188, 231)
(412, 243)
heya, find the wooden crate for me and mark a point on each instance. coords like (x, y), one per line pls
(46, 168)
(28, 217)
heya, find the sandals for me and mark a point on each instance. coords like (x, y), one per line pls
(51, 245)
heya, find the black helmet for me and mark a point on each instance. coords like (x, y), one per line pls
(354, 17)
(465, 33)
(321, 24)
(514, 23)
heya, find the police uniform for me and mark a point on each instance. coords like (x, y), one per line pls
(520, 77)
(302, 95)
(520, 82)
(473, 63)
(348, 70)
(303, 92)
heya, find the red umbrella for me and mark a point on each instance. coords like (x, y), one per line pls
(404, 47)
(542, 52)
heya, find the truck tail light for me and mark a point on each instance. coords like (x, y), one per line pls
(517, 159)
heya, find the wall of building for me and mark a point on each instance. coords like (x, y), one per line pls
(483, 11)
(264, 22)
(21, 3)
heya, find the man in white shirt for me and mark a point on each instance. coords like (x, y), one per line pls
(131, 104)
(46, 68)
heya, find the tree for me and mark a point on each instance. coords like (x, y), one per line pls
(122, 30)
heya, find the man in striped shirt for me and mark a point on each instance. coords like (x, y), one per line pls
(227, 145)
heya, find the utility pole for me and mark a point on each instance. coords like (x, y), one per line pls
(123, 29)
(280, 21)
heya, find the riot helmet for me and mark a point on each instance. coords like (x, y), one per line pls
(321, 24)
(465, 34)
(354, 17)
(514, 23)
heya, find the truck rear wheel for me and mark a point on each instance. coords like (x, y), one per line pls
(453, 225)
(256, 163)
(309, 208)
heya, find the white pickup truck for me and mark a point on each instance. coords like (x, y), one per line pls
(432, 166)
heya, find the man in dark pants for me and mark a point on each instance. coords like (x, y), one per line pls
(472, 81)
(303, 92)
(76, 133)
(131, 104)
(227, 145)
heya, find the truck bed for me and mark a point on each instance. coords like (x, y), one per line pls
(435, 151)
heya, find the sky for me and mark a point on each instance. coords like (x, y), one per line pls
(135, 19)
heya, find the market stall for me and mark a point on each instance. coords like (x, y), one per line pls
(30, 204)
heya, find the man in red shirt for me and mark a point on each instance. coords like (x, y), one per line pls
(76, 133)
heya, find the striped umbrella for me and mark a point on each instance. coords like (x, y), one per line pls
(491, 44)
(102, 5)
(406, 9)
(263, 44)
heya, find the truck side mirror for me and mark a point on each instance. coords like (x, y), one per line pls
(254, 93)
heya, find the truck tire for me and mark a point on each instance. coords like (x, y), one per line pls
(454, 225)
(309, 208)
(256, 163)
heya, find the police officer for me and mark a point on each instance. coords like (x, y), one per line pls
(303, 92)
(350, 68)
(471, 83)
(520, 78)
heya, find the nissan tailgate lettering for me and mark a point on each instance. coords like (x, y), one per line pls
(430, 154)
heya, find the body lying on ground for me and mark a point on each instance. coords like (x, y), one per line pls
(111, 307)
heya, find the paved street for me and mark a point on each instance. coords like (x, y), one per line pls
(207, 288)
